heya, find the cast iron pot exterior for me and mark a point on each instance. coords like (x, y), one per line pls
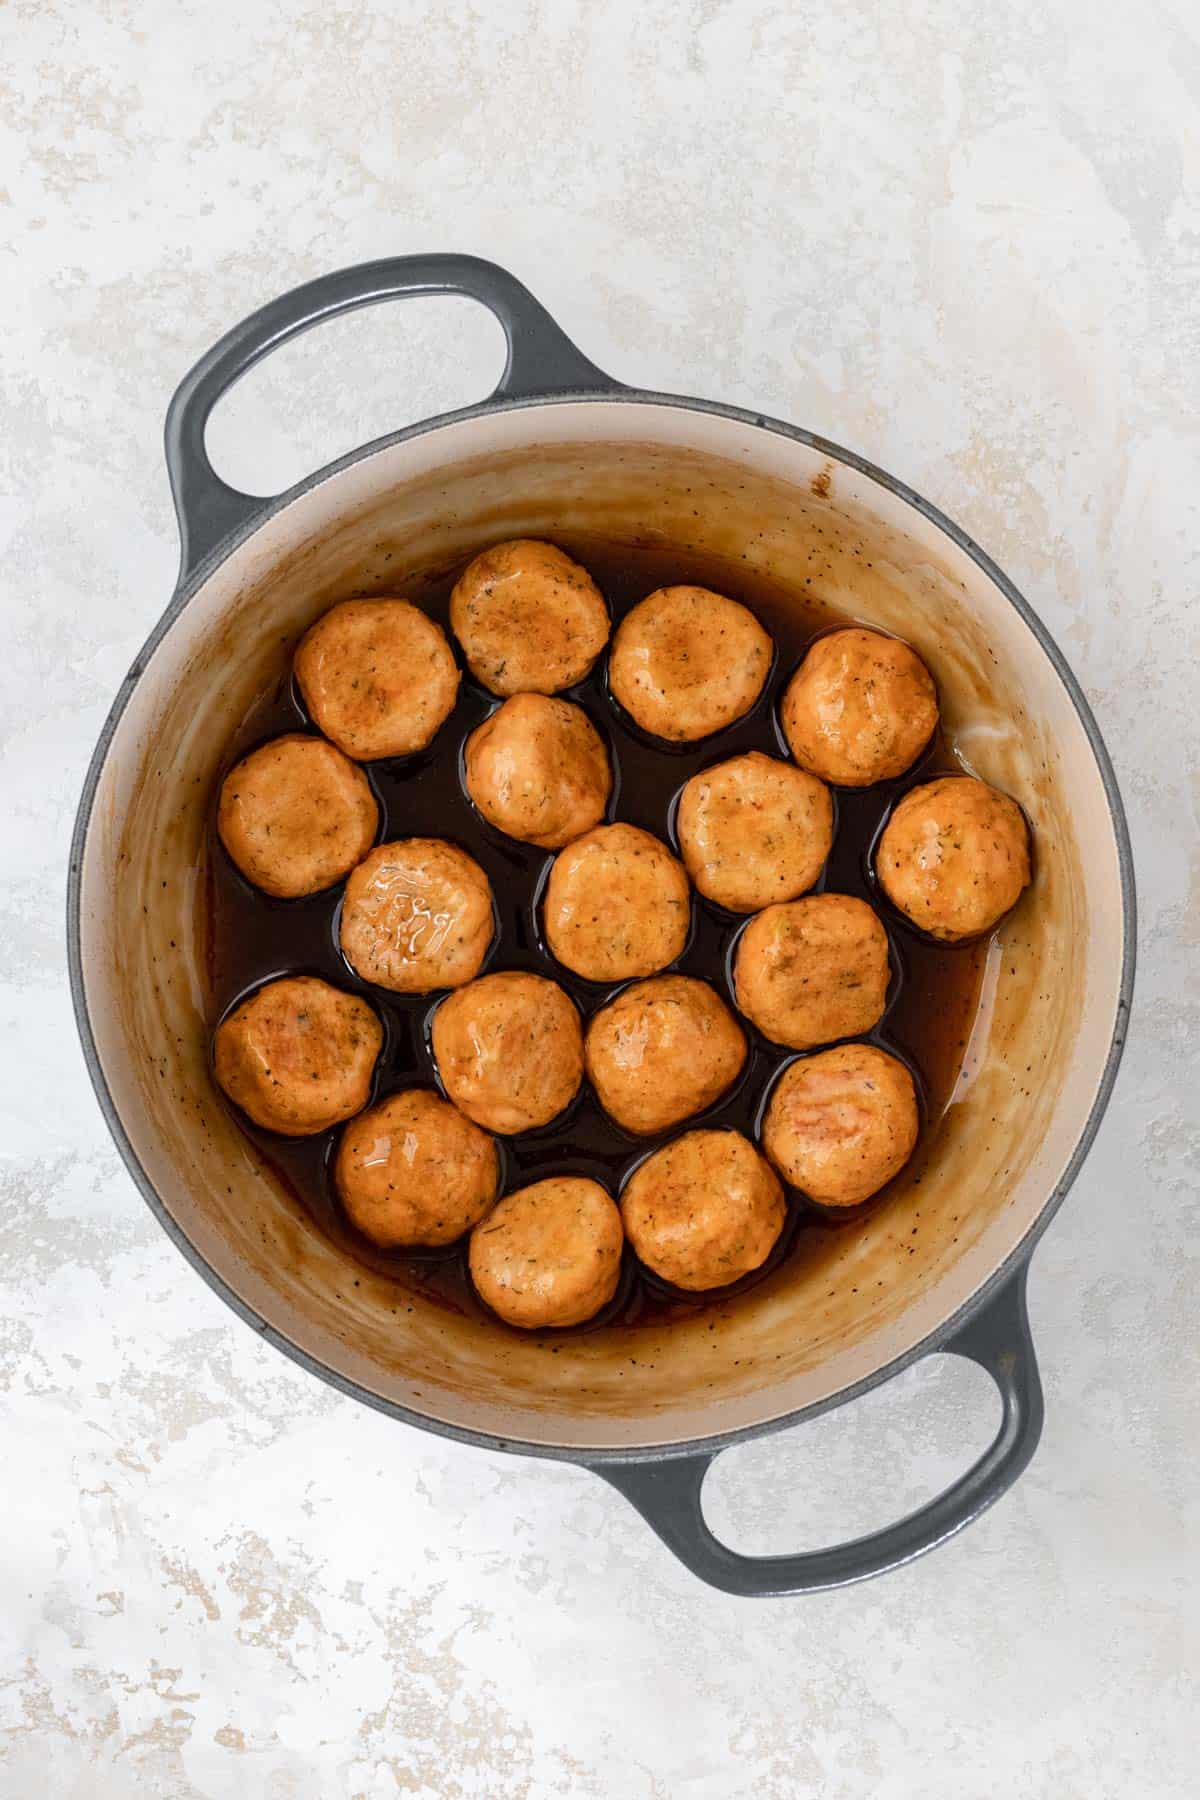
(662, 1481)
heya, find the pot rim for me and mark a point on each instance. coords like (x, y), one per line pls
(258, 514)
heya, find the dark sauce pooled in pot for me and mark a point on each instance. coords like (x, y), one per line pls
(253, 938)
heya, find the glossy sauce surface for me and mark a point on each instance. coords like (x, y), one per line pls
(252, 938)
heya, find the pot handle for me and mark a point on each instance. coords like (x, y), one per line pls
(667, 1494)
(541, 360)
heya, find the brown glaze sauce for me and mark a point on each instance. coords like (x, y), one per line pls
(253, 938)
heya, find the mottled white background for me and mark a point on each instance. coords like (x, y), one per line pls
(963, 239)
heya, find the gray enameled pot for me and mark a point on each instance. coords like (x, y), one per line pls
(560, 447)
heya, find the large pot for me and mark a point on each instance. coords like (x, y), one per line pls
(560, 447)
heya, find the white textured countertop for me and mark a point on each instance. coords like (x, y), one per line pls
(965, 241)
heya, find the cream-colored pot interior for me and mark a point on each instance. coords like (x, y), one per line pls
(619, 470)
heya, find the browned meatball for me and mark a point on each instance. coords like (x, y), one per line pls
(296, 815)
(813, 970)
(703, 1211)
(538, 770)
(298, 1055)
(754, 831)
(378, 677)
(617, 904)
(509, 1050)
(687, 662)
(417, 916)
(412, 1170)
(530, 620)
(663, 1050)
(549, 1254)
(954, 856)
(840, 1124)
(860, 708)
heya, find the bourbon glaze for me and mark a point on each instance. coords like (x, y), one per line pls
(252, 938)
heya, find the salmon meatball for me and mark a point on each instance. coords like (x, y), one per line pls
(617, 904)
(663, 1050)
(296, 815)
(841, 1123)
(813, 970)
(954, 857)
(417, 915)
(754, 831)
(412, 1170)
(509, 1050)
(549, 1254)
(860, 708)
(687, 662)
(538, 770)
(298, 1055)
(530, 621)
(703, 1211)
(378, 677)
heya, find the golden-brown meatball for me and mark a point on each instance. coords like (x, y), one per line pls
(530, 620)
(417, 915)
(538, 770)
(298, 1055)
(954, 856)
(412, 1170)
(296, 815)
(813, 970)
(754, 831)
(686, 662)
(509, 1050)
(378, 677)
(663, 1050)
(860, 708)
(549, 1254)
(841, 1123)
(617, 904)
(703, 1211)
